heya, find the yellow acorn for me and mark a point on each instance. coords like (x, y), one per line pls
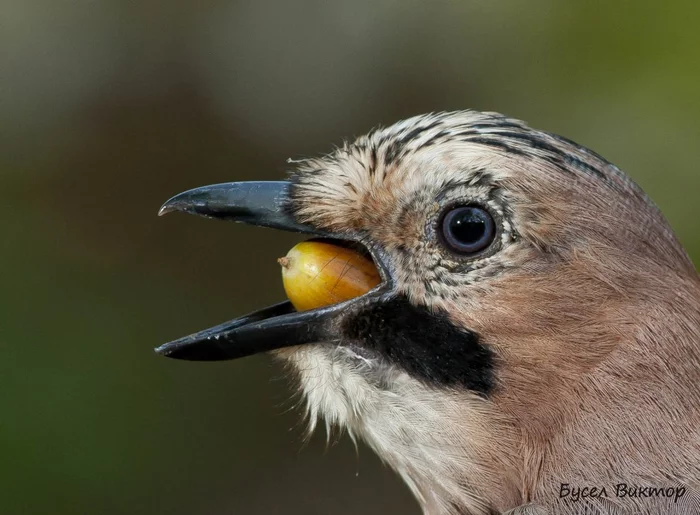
(317, 273)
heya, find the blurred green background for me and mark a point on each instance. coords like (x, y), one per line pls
(108, 108)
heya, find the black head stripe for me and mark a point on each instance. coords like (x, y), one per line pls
(424, 343)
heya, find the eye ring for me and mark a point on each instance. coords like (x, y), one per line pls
(467, 230)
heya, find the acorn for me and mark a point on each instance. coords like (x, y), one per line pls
(318, 273)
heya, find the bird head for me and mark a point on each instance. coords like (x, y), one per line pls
(528, 285)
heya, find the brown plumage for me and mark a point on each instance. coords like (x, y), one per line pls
(583, 319)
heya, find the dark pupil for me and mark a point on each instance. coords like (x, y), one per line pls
(468, 227)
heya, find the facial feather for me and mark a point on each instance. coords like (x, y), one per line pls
(587, 303)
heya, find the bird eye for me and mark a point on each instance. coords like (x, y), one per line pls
(468, 229)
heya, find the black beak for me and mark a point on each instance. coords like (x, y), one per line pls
(265, 204)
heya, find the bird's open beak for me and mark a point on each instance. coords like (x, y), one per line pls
(266, 204)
